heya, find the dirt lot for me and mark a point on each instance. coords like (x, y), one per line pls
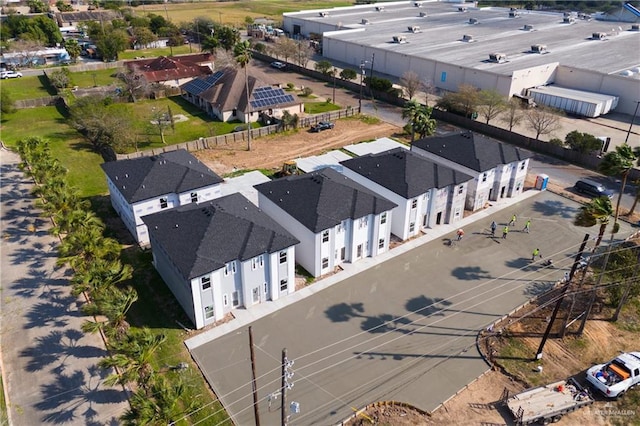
(267, 154)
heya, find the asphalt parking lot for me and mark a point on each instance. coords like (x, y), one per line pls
(402, 330)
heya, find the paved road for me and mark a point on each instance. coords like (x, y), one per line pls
(403, 330)
(48, 364)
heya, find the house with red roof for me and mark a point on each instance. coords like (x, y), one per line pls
(173, 71)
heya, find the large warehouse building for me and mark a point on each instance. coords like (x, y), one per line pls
(511, 51)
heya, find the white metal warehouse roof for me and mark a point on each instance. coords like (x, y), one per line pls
(374, 147)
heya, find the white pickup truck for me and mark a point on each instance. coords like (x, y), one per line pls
(617, 376)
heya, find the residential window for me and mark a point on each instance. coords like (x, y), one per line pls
(194, 197)
(283, 257)
(235, 298)
(362, 222)
(256, 294)
(206, 282)
(164, 203)
(266, 289)
(325, 236)
(230, 268)
(225, 299)
(257, 262)
(343, 253)
(412, 227)
(208, 312)
(381, 243)
(484, 177)
(284, 284)
(460, 189)
(414, 203)
(325, 262)
(383, 218)
(522, 165)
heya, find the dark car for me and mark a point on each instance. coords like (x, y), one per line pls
(323, 125)
(593, 189)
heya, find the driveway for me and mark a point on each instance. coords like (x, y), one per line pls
(401, 330)
(48, 364)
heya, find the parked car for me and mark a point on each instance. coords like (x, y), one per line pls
(10, 74)
(616, 376)
(278, 65)
(593, 189)
(323, 125)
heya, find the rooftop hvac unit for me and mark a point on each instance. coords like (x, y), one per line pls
(538, 48)
(468, 38)
(473, 21)
(414, 29)
(498, 57)
(323, 14)
(417, 4)
(423, 14)
(598, 36)
(365, 21)
(635, 27)
(513, 13)
(462, 8)
(399, 39)
(379, 8)
(528, 27)
(568, 19)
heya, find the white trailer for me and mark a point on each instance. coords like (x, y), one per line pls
(577, 102)
(547, 404)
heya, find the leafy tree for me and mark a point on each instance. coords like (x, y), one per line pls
(463, 102)
(619, 163)
(7, 104)
(135, 83)
(109, 38)
(49, 29)
(348, 74)
(286, 47)
(542, 120)
(210, 44)
(156, 22)
(324, 67)
(61, 78)
(409, 112)
(492, 104)
(85, 246)
(63, 7)
(304, 53)
(582, 142)
(242, 55)
(248, 20)
(637, 184)
(260, 47)
(143, 36)
(598, 211)
(227, 36)
(411, 83)
(512, 114)
(73, 48)
(38, 6)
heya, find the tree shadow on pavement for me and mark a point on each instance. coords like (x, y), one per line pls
(554, 208)
(470, 273)
(59, 346)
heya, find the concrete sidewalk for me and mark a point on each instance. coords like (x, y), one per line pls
(243, 317)
(49, 365)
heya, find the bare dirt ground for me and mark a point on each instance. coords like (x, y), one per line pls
(270, 152)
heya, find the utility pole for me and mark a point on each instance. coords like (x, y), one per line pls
(632, 120)
(563, 292)
(361, 76)
(592, 299)
(627, 290)
(254, 385)
(373, 58)
(335, 70)
(283, 389)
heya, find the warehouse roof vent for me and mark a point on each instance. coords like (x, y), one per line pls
(514, 13)
(323, 14)
(528, 27)
(365, 21)
(498, 58)
(423, 14)
(462, 8)
(598, 36)
(635, 27)
(473, 21)
(568, 20)
(468, 38)
(399, 39)
(379, 8)
(417, 3)
(538, 48)
(414, 29)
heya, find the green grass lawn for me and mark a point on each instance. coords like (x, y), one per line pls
(154, 53)
(67, 145)
(87, 79)
(319, 107)
(27, 87)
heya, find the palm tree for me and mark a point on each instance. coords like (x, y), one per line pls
(410, 111)
(424, 125)
(242, 55)
(86, 246)
(100, 274)
(598, 211)
(114, 304)
(636, 198)
(619, 163)
(133, 358)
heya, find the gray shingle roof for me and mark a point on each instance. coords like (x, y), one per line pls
(200, 238)
(471, 150)
(144, 178)
(323, 199)
(405, 173)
